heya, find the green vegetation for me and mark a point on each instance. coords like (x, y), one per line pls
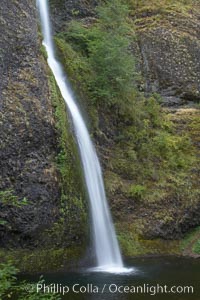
(104, 48)
(72, 207)
(146, 159)
(190, 245)
(9, 286)
(155, 13)
(8, 199)
(98, 61)
(137, 191)
(133, 244)
(109, 55)
(162, 6)
(196, 247)
(43, 260)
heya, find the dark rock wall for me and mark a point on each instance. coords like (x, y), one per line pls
(63, 10)
(27, 134)
(167, 50)
(170, 52)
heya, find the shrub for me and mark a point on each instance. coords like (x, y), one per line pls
(10, 288)
(106, 47)
(9, 199)
(137, 191)
(196, 247)
(110, 56)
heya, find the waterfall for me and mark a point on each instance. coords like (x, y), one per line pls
(106, 245)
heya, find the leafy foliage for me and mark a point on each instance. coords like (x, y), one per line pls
(7, 278)
(110, 56)
(145, 149)
(106, 47)
(9, 286)
(137, 191)
(196, 247)
(8, 199)
(72, 208)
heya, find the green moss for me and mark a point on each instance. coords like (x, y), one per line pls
(161, 7)
(149, 14)
(137, 191)
(72, 207)
(72, 227)
(133, 244)
(8, 197)
(191, 243)
(10, 200)
(113, 182)
(79, 74)
(196, 247)
(153, 165)
(43, 51)
(45, 260)
(148, 161)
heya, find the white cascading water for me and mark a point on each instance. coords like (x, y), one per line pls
(106, 245)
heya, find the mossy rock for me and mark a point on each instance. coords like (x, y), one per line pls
(43, 260)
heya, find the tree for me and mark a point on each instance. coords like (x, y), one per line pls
(109, 54)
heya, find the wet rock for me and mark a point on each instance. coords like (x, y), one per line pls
(66, 10)
(27, 128)
(172, 101)
(170, 51)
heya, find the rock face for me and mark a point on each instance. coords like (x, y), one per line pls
(168, 54)
(167, 51)
(170, 51)
(63, 10)
(27, 134)
(167, 47)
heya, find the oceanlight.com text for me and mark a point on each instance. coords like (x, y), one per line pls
(112, 288)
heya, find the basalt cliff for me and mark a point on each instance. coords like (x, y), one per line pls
(154, 199)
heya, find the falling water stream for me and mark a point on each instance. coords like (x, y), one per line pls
(106, 245)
